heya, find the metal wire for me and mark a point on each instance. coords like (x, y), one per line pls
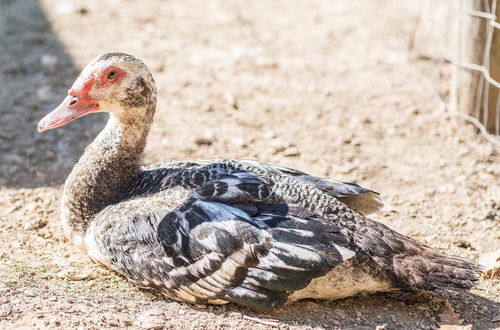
(486, 81)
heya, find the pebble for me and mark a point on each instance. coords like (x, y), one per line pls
(64, 8)
(149, 295)
(74, 275)
(49, 155)
(207, 138)
(32, 224)
(291, 152)
(49, 61)
(150, 319)
(29, 293)
(239, 142)
(269, 135)
(44, 93)
(231, 100)
(29, 152)
(40, 175)
(238, 52)
(60, 261)
(200, 141)
(13, 158)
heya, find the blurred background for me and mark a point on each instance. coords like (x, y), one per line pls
(380, 93)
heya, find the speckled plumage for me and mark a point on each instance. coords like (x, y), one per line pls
(221, 231)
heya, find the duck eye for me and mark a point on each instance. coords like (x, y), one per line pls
(112, 75)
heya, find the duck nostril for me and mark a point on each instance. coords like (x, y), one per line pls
(73, 101)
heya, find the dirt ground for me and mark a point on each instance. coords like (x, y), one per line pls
(328, 87)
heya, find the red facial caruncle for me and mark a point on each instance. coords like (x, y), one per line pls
(112, 75)
(78, 103)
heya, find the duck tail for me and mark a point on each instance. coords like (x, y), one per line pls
(430, 270)
(412, 265)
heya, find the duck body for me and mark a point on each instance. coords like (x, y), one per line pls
(218, 231)
(222, 230)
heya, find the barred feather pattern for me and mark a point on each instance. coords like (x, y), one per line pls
(217, 231)
(203, 232)
(245, 232)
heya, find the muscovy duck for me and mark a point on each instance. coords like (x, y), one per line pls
(218, 231)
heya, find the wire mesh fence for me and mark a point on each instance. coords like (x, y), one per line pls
(465, 35)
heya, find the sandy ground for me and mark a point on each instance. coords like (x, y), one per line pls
(328, 87)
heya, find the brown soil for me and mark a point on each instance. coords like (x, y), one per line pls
(328, 88)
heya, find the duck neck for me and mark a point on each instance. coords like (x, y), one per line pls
(104, 174)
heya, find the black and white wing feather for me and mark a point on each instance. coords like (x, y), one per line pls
(229, 237)
(362, 200)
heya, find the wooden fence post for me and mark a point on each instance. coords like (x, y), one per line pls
(493, 121)
(472, 34)
(447, 31)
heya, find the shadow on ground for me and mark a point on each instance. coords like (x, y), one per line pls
(31, 56)
(367, 312)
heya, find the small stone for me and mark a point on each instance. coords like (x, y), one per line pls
(149, 295)
(238, 52)
(49, 61)
(40, 175)
(291, 152)
(207, 108)
(381, 327)
(29, 293)
(207, 138)
(60, 261)
(30, 207)
(33, 224)
(29, 152)
(64, 273)
(12, 158)
(150, 319)
(181, 312)
(200, 141)
(64, 8)
(463, 244)
(235, 314)
(422, 307)
(49, 155)
(44, 93)
(269, 135)
(73, 274)
(239, 142)
(231, 100)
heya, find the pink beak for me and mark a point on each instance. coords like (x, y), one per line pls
(74, 106)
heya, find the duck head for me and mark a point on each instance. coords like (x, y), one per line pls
(116, 83)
